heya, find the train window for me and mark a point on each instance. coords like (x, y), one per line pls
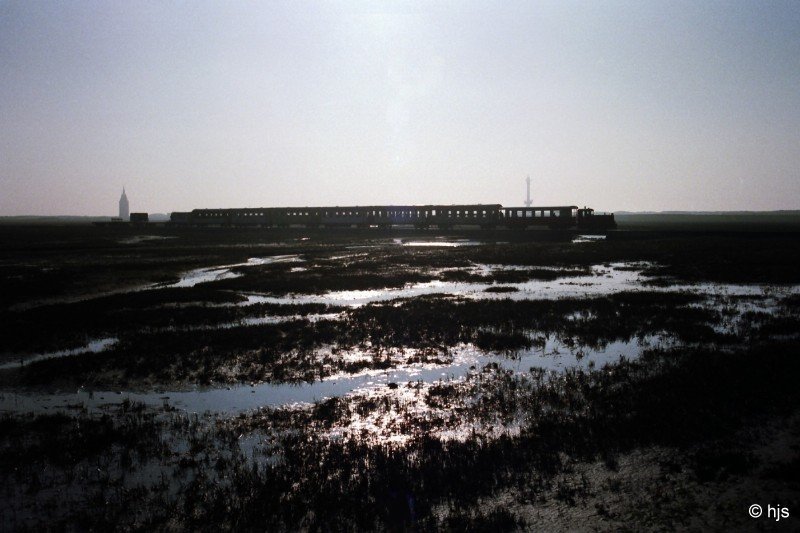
(433, 212)
(519, 213)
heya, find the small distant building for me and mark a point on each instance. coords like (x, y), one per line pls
(124, 209)
(139, 218)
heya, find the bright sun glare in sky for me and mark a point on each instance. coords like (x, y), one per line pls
(619, 105)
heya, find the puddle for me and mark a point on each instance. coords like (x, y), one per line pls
(588, 238)
(601, 280)
(217, 273)
(95, 346)
(254, 321)
(553, 355)
(144, 238)
(438, 243)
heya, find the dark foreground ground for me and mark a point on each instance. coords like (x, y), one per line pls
(543, 427)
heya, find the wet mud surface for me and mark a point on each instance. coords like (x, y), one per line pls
(413, 382)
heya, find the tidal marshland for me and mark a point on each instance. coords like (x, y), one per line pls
(308, 380)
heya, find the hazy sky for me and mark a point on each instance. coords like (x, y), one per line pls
(667, 105)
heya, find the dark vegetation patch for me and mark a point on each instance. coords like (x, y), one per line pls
(434, 322)
(50, 261)
(63, 440)
(289, 351)
(116, 473)
(498, 520)
(788, 471)
(690, 400)
(65, 326)
(792, 302)
(274, 352)
(731, 259)
(86, 260)
(53, 262)
(500, 289)
(780, 326)
(716, 461)
(320, 279)
(501, 275)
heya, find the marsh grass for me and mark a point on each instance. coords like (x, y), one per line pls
(408, 456)
(290, 351)
(692, 400)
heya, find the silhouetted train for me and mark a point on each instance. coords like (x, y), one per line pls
(485, 216)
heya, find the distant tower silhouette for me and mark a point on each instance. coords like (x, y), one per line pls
(124, 211)
(528, 201)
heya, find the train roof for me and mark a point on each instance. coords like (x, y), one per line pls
(545, 207)
(397, 206)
